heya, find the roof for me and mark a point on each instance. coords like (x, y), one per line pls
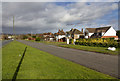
(100, 29)
(91, 30)
(60, 32)
(74, 31)
(49, 36)
(49, 33)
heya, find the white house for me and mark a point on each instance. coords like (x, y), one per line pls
(89, 32)
(60, 36)
(9, 37)
(101, 32)
(74, 34)
(48, 36)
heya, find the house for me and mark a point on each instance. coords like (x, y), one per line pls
(31, 38)
(101, 32)
(48, 36)
(60, 36)
(88, 32)
(9, 37)
(74, 34)
(4, 37)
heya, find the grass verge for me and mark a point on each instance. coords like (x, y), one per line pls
(92, 49)
(49, 42)
(41, 65)
(80, 47)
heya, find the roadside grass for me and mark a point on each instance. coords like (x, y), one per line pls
(0, 63)
(11, 58)
(81, 47)
(41, 65)
(92, 49)
(50, 42)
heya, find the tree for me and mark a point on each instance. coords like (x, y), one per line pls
(25, 37)
(33, 36)
(118, 33)
(37, 39)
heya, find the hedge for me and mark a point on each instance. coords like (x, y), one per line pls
(37, 39)
(98, 42)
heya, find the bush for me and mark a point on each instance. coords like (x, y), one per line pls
(33, 36)
(25, 37)
(99, 42)
(37, 39)
(71, 41)
(118, 45)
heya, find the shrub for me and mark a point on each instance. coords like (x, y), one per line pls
(71, 41)
(33, 36)
(25, 37)
(37, 39)
(99, 42)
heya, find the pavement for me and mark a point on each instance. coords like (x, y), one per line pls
(107, 64)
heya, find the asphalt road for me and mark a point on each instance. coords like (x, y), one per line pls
(5, 42)
(2, 43)
(107, 64)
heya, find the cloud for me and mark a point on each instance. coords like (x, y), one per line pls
(0, 17)
(61, 0)
(49, 17)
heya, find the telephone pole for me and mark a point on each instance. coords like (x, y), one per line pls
(13, 28)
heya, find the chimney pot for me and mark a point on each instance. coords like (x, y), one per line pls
(82, 30)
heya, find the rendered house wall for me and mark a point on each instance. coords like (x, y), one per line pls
(110, 32)
(60, 37)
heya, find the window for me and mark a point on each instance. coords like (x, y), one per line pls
(100, 34)
(86, 33)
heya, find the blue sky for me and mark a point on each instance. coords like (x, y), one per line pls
(40, 17)
(64, 3)
(106, 20)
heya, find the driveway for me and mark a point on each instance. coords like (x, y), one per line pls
(107, 64)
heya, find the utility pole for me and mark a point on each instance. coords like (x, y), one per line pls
(13, 28)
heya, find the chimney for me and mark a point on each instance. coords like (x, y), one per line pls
(82, 30)
(59, 30)
(72, 29)
(50, 33)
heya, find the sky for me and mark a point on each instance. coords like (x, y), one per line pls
(40, 17)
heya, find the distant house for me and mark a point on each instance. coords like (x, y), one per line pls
(89, 32)
(4, 37)
(48, 36)
(60, 36)
(101, 32)
(30, 38)
(74, 34)
(39, 35)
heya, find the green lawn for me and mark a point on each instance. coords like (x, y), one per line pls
(0, 63)
(41, 65)
(11, 58)
(93, 49)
